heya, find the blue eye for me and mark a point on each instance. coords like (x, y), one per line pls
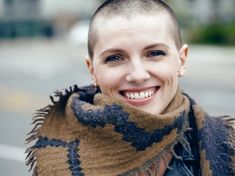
(113, 58)
(156, 53)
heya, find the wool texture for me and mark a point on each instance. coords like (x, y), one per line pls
(87, 133)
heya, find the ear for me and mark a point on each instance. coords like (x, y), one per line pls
(90, 67)
(183, 59)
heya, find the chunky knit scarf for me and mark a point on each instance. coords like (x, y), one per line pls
(87, 133)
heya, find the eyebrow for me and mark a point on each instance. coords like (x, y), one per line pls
(156, 45)
(114, 50)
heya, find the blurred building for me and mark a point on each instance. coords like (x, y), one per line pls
(206, 21)
(205, 11)
(30, 18)
(209, 11)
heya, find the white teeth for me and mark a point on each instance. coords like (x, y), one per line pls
(136, 95)
(132, 96)
(142, 95)
(139, 95)
(146, 94)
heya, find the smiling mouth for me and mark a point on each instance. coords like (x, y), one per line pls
(135, 94)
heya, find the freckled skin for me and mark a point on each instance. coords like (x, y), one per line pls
(136, 42)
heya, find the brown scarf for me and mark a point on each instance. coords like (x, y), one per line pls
(87, 133)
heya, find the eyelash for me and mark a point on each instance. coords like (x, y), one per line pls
(118, 58)
(156, 53)
(113, 58)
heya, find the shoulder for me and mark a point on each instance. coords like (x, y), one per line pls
(215, 131)
(217, 143)
(219, 125)
(215, 138)
(204, 120)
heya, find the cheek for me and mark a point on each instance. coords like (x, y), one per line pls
(172, 76)
(108, 78)
(167, 72)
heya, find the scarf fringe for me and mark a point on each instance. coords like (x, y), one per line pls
(40, 115)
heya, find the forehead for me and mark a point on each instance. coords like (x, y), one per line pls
(103, 22)
(139, 27)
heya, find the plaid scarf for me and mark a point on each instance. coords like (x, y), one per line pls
(87, 133)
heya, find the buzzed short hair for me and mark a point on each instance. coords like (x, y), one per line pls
(128, 8)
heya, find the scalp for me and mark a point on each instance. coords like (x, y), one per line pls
(130, 8)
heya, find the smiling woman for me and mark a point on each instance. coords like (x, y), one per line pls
(134, 120)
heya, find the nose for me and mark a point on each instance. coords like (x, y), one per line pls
(137, 73)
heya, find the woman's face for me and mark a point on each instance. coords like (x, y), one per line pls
(136, 60)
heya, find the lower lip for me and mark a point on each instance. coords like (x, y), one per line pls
(140, 102)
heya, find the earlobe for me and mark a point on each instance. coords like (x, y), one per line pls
(183, 59)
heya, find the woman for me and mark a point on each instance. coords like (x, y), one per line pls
(135, 120)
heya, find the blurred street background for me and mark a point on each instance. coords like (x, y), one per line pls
(42, 49)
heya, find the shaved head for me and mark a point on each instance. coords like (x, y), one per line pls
(128, 9)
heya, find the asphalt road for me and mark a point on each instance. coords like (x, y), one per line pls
(31, 70)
